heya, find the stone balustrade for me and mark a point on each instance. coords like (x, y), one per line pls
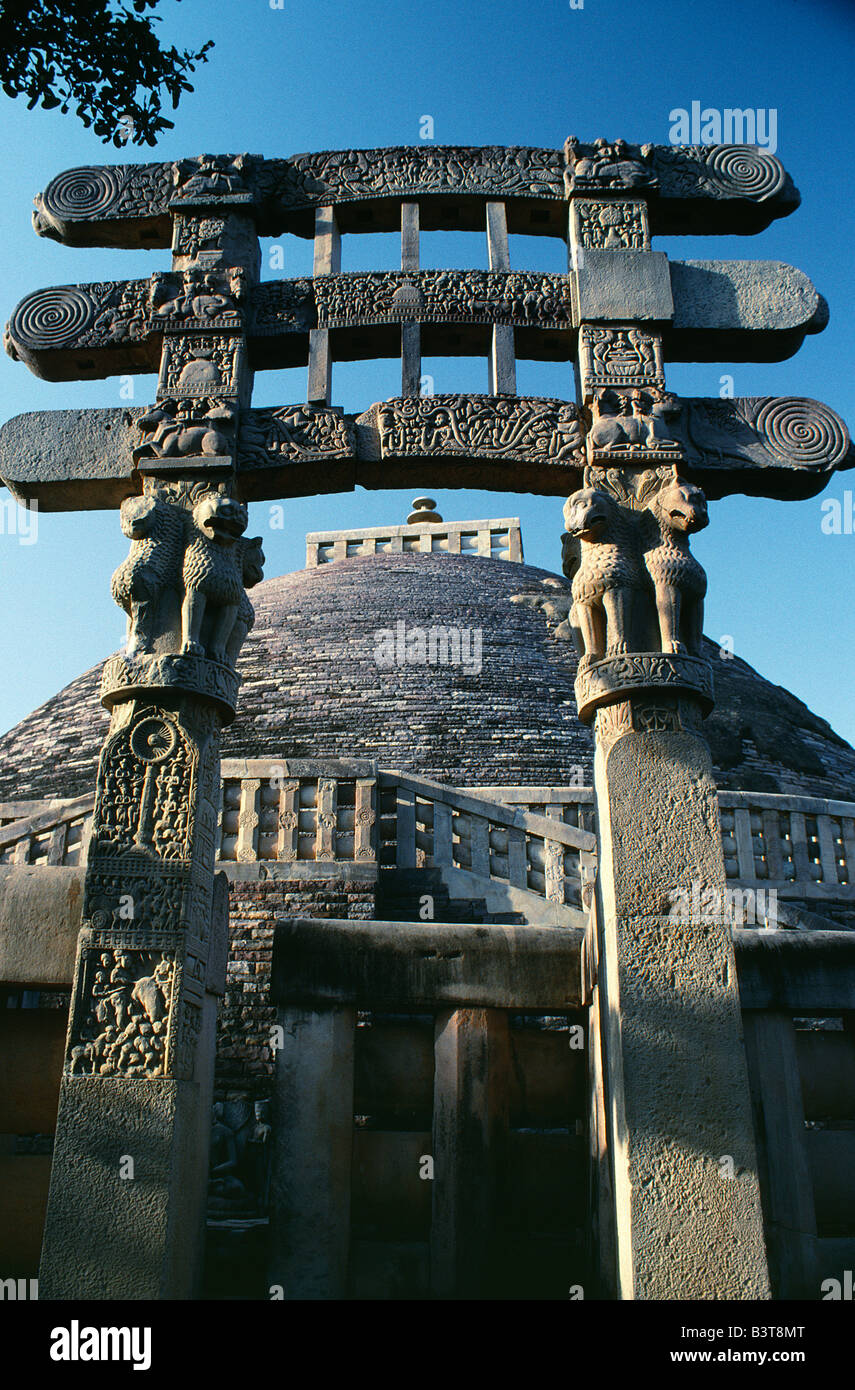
(537, 839)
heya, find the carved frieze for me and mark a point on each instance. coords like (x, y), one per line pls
(197, 364)
(607, 165)
(501, 427)
(290, 433)
(445, 296)
(126, 676)
(619, 357)
(341, 175)
(283, 306)
(610, 225)
(632, 673)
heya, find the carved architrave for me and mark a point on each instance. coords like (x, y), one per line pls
(136, 896)
(719, 171)
(99, 193)
(344, 175)
(68, 317)
(635, 673)
(757, 438)
(501, 427)
(445, 296)
(620, 357)
(89, 205)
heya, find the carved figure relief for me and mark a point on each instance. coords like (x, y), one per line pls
(294, 432)
(201, 298)
(619, 357)
(607, 165)
(125, 1019)
(212, 178)
(200, 365)
(611, 226)
(145, 791)
(486, 426)
(185, 428)
(626, 422)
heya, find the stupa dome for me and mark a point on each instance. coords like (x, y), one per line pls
(502, 714)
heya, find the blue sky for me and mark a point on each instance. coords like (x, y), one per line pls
(326, 75)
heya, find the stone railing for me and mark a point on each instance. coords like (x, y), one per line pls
(427, 824)
(45, 832)
(303, 812)
(801, 844)
(297, 811)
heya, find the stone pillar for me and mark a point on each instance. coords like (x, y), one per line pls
(688, 1218)
(125, 1216)
(313, 1123)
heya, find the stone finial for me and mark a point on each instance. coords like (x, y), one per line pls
(424, 511)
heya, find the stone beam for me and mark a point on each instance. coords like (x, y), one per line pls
(766, 446)
(695, 188)
(399, 963)
(705, 310)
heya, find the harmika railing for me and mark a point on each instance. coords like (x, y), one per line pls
(537, 839)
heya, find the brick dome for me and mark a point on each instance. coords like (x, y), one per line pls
(312, 688)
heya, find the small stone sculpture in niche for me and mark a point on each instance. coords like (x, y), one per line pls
(239, 1177)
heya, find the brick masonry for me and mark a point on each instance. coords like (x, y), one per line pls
(244, 1058)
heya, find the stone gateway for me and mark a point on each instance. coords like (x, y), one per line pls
(424, 908)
